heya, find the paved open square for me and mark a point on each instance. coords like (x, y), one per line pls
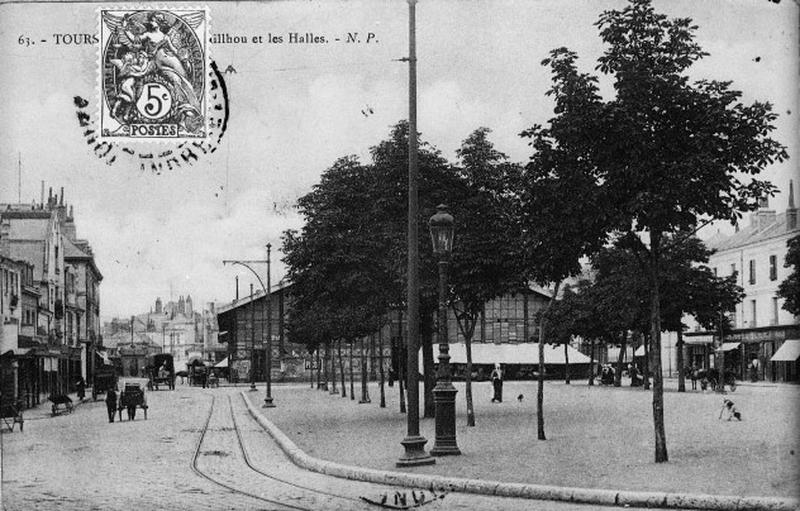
(597, 437)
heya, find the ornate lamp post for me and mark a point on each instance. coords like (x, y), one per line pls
(444, 394)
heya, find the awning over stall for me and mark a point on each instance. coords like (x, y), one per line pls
(728, 346)
(222, 363)
(698, 339)
(788, 352)
(524, 353)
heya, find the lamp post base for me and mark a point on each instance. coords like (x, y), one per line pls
(268, 402)
(415, 454)
(444, 398)
(252, 387)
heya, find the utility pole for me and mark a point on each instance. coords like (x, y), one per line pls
(268, 399)
(414, 443)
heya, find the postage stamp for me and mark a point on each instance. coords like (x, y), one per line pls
(153, 74)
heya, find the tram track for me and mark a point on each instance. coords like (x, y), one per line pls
(270, 476)
(225, 485)
(349, 502)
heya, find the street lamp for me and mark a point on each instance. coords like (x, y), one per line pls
(444, 393)
(268, 399)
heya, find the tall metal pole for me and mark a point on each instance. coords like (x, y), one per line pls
(252, 340)
(413, 443)
(268, 399)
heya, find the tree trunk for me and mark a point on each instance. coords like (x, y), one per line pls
(468, 331)
(316, 356)
(680, 362)
(566, 363)
(372, 375)
(380, 367)
(325, 366)
(401, 376)
(352, 385)
(655, 336)
(333, 368)
(646, 368)
(620, 360)
(427, 364)
(364, 391)
(719, 358)
(400, 380)
(591, 362)
(341, 371)
(540, 390)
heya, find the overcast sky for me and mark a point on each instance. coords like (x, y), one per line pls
(296, 108)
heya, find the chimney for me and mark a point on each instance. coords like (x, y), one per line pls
(791, 211)
(237, 288)
(42, 201)
(251, 289)
(61, 200)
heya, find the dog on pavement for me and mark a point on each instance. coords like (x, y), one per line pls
(730, 408)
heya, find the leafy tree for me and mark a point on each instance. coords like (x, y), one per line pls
(486, 254)
(789, 289)
(670, 154)
(564, 209)
(335, 263)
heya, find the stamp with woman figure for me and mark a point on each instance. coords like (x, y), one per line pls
(153, 71)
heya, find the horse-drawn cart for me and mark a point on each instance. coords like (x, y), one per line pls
(161, 371)
(132, 395)
(11, 413)
(105, 377)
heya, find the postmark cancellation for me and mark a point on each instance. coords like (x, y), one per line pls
(153, 73)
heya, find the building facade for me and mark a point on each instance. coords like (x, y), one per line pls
(52, 349)
(755, 256)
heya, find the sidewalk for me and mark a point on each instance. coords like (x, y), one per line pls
(599, 438)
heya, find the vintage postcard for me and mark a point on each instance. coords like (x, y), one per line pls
(403, 254)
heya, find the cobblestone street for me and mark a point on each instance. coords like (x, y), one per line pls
(79, 461)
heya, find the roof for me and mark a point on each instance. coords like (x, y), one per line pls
(751, 235)
(72, 251)
(523, 353)
(31, 251)
(28, 228)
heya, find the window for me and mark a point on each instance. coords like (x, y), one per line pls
(753, 313)
(773, 267)
(752, 271)
(774, 310)
(733, 270)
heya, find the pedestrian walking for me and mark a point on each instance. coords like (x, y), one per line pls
(693, 374)
(497, 384)
(81, 386)
(754, 370)
(111, 403)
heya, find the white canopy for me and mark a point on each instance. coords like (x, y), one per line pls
(698, 339)
(222, 363)
(788, 352)
(727, 346)
(523, 353)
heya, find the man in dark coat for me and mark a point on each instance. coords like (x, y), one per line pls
(111, 404)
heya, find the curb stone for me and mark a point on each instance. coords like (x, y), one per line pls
(621, 498)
